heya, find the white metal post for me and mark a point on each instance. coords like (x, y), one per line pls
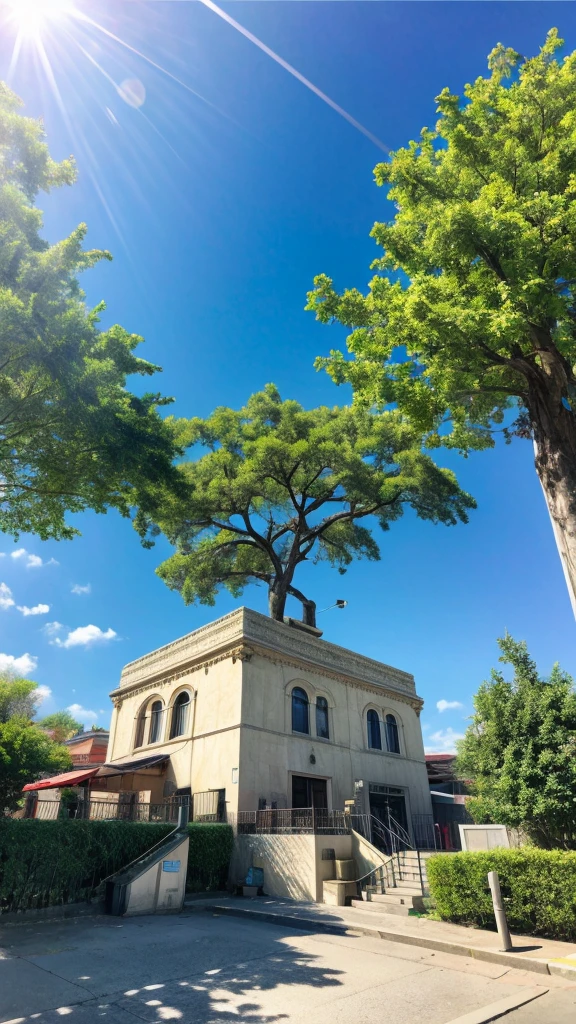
(499, 912)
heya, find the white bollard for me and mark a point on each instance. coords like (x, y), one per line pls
(499, 912)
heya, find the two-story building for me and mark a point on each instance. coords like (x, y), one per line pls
(247, 713)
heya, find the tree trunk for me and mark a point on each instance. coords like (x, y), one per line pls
(309, 613)
(277, 594)
(554, 428)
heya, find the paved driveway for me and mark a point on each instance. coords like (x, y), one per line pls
(200, 968)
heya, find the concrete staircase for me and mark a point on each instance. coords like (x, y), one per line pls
(405, 888)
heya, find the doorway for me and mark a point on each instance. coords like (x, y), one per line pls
(388, 808)
(308, 791)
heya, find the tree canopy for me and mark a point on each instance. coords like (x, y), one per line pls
(472, 308)
(72, 436)
(62, 724)
(520, 750)
(26, 752)
(281, 485)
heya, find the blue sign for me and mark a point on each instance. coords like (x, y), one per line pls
(170, 865)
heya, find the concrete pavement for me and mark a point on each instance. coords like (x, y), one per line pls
(209, 969)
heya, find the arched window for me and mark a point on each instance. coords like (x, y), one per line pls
(140, 724)
(180, 715)
(392, 738)
(322, 728)
(374, 735)
(155, 721)
(300, 710)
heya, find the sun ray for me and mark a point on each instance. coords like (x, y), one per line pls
(297, 74)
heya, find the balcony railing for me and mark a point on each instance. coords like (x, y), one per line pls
(290, 820)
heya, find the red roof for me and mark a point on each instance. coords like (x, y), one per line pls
(67, 779)
(440, 757)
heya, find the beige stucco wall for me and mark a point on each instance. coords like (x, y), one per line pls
(240, 671)
(208, 761)
(270, 752)
(160, 892)
(292, 864)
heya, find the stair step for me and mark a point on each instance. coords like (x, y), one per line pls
(399, 909)
(406, 885)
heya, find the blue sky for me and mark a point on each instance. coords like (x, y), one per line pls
(219, 211)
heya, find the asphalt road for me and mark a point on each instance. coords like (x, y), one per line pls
(200, 968)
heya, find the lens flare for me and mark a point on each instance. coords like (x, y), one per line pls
(31, 15)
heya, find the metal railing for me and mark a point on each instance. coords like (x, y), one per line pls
(390, 838)
(291, 820)
(425, 832)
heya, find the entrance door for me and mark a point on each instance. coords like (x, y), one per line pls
(390, 810)
(309, 792)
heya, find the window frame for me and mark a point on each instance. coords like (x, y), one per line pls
(156, 722)
(394, 727)
(369, 727)
(326, 712)
(175, 707)
(304, 703)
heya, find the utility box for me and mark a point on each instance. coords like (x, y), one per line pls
(154, 884)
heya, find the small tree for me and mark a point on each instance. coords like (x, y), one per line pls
(281, 485)
(26, 754)
(71, 435)
(520, 751)
(483, 314)
(62, 725)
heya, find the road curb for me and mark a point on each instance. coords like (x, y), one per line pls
(493, 956)
(503, 1006)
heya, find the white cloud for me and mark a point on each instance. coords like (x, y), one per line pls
(448, 705)
(80, 588)
(83, 636)
(51, 628)
(443, 741)
(43, 693)
(38, 609)
(82, 714)
(6, 599)
(31, 561)
(23, 665)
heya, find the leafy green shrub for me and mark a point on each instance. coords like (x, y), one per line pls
(208, 856)
(539, 887)
(51, 863)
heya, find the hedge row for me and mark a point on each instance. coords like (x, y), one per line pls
(539, 888)
(51, 863)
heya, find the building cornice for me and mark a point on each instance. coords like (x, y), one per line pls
(242, 632)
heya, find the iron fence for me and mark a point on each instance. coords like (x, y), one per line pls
(290, 820)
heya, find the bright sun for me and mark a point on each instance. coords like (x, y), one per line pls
(31, 15)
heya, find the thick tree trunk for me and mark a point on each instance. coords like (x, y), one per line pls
(554, 428)
(277, 594)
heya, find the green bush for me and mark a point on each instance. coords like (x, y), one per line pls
(51, 863)
(209, 856)
(539, 887)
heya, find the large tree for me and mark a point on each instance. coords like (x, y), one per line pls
(520, 750)
(26, 752)
(281, 485)
(473, 307)
(71, 435)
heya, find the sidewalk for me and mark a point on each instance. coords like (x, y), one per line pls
(530, 953)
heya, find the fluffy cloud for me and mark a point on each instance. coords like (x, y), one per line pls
(38, 609)
(23, 665)
(6, 599)
(83, 636)
(82, 714)
(51, 628)
(43, 693)
(80, 588)
(443, 741)
(29, 560)
(448, 705)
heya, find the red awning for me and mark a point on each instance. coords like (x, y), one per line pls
(67, 779)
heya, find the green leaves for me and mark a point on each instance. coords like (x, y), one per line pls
(71, 435)
(485, 237)
(519, 750)
(26, 754)
(280, 485)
